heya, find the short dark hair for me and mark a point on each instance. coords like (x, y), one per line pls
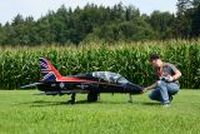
(154, 57)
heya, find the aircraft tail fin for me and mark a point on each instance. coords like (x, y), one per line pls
(49, 72)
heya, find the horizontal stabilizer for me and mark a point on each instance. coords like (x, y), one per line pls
(31, 85)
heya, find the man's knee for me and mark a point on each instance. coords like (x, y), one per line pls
(162, 86)
(161, 83)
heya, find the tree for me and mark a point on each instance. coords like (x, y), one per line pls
(183, 21)
(162, 23)
(103, 23)
(2, 34)
(183, 6)
(196, 22)
(188, 18)
(18, 20)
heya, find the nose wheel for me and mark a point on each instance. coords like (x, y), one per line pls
(130, 99)
(92, 97)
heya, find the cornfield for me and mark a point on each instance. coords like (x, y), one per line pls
(19, 65)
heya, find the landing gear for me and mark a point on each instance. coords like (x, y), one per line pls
(130, 99)
(73, 98)
(92, 97)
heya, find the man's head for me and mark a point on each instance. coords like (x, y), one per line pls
(155, 60)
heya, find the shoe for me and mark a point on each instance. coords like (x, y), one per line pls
(171, 98)
(166, 105)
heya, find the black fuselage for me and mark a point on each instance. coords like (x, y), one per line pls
(61, 88)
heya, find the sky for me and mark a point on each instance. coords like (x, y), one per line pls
(37, 8)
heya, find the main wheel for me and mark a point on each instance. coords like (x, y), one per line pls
(92, 97)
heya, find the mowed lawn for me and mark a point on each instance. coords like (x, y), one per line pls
(22, 112)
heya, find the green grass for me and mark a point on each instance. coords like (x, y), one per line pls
(22, 112)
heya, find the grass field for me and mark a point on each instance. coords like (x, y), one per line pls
(23, 113)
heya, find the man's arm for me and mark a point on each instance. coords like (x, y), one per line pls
(150, 87)
(177, 75)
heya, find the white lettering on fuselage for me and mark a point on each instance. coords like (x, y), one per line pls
(82, 86)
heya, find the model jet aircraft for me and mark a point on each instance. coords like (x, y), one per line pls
(94, 83)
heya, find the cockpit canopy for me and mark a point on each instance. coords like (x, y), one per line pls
(110, 77)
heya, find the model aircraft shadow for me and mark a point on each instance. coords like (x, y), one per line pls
(85, 102)
(42, 103)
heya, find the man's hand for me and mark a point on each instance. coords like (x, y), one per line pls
(149, 88)
(144, 90)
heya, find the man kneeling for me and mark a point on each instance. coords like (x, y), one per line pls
(167, 85)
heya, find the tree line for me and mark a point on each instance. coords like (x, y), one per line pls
(109, 24)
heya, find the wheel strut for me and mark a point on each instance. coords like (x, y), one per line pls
(73, 98)
(130, 99)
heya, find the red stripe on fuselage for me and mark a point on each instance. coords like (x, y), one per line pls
(77, 80)
(73, 79)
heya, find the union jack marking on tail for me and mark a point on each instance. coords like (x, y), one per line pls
(49, 77)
